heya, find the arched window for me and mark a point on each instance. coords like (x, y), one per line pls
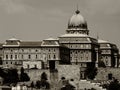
(36, 50)
(6, 56)
(29, 56)
(54, 56)
(36, 56)
(15, 56)
(11, 57)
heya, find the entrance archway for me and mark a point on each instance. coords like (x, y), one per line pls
(51, 64)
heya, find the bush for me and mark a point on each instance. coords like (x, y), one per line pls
(91, 71)
(43, 76)
(114, 85)
(101, 64)
(24, 76)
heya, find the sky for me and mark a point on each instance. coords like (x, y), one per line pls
(35, 20)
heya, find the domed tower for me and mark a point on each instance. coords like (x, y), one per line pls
(77, 24)
(83, 48)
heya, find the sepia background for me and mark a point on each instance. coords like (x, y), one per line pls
(40, 19)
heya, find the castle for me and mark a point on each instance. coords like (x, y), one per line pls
(75, 47)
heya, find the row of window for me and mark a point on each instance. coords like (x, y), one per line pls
(74, 39)
(81, 58)
(106, 52)
(13, 63)
(78, 46)
(24, 50)
(29, 56)
(28, 66)
(77, 52)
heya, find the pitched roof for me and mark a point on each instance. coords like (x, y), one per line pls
(30, 43)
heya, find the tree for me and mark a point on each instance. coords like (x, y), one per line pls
(32, 85)
(101, 64)
(43, 76)
(114, 85)
(43, 82)
(38, 84)
(91, 71)
(24, 76)
(9, 75)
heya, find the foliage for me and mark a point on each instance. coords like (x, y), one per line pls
(101, 64)
(43, 76)
(38, 84)
(32, 84)
(9, 75)
(114, 85)
(91, 71)
(93, 89)
(43, 82)
(24, 76)
(68, 87)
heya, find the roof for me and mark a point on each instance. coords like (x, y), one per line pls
(13, 42)
(13, 39)
(77, 21)
(30, 43)
(102, 41)
(74, 35)
(50, 42)
(51, 39)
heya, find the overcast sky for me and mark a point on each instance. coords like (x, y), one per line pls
(35, 20)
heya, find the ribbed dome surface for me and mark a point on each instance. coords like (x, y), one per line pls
(77, 21)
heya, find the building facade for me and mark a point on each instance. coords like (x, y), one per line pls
(74, 47)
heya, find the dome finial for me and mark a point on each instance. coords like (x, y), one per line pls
(77, 11)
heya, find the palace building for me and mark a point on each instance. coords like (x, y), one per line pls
(75, 47)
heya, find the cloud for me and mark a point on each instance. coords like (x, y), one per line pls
(13, 6)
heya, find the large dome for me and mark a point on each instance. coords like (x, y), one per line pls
(77, 21)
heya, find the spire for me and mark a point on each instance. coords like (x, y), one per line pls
(77, 11)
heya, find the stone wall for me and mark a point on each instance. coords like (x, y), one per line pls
(35, 74)
(69, 71)
(103, 73)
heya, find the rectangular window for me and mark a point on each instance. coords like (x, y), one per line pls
(29, 56)
(36, 56)
(36, 50)
(49, 56)
(11, 57)
(15, 56)
(28, 66)
(6, 56)
(22, 56)
(6, 62)
(35, 66)
(54, 57)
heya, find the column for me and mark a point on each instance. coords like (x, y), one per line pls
(116, 61)
(96, 50)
